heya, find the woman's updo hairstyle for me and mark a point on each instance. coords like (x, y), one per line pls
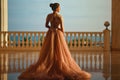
(54, 6)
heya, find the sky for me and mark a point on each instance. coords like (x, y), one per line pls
(79, 15)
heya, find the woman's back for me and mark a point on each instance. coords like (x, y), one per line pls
(54, 19)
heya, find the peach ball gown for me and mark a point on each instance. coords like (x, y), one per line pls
(55, 61)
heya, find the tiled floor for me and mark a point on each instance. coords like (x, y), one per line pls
(102, 65)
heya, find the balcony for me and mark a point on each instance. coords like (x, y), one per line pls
(90, 50)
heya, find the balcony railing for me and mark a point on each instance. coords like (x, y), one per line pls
(75, 40)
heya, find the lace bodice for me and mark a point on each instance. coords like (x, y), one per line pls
(55, 20)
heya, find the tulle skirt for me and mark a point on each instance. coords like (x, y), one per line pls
(55, 61)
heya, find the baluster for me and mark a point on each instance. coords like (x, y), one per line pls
(95, 45)
(27, 43)
(70, 40)
(22, 39)
(4, 39)
(33, 45)
(39, 40)
(31, 39)
(82, 39)
(92, 37)
(91, 42)
(25, 39)
(8, 40)
(97, 40)
(74, 40)
(35, 40)
(100, 40)
(19, 39)
(78, 40)
(2, 35)
(87, 40)
(14, 40)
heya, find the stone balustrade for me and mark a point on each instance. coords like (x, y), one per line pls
(11, 40)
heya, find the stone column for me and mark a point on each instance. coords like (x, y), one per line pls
(4, 21)
(0, 14)
(115, 24)
(4, 15)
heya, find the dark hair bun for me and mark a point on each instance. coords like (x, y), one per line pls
(54, 6)
(51, 5)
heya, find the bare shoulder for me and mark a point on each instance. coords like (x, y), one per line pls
(60, 16)
(49, 15)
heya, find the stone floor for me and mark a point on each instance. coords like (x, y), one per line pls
(102, 65)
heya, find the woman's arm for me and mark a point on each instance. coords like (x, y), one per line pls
(62, 24)
(47, 22)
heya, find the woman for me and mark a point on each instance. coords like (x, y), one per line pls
(55, 61)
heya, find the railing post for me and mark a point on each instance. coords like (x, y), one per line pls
(106, 36)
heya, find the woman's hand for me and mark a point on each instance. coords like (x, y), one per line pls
(61, 30)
